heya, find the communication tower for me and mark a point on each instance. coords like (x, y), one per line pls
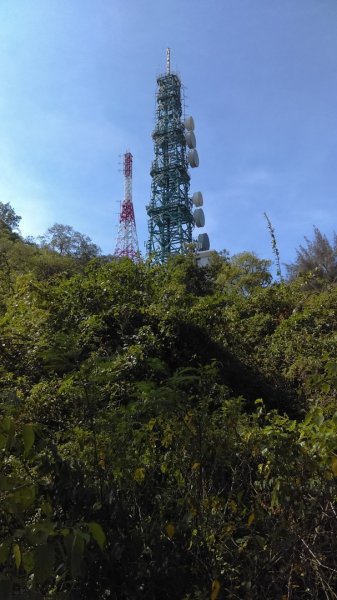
(171, 220)
(127, 240)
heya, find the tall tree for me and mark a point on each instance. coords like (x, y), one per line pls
(68, 242)
(245, 272)
(8, 216)
(318, 258)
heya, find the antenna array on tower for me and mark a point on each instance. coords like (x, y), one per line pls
(170, 215)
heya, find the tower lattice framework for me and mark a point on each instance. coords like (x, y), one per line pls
(170, 208)
(127, 240)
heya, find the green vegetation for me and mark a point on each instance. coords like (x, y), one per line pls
(319, 258)
(166, 431)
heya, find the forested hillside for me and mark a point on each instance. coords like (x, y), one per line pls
(166, 431)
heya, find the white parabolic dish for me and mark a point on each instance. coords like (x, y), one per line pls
(190, 139)
(189, 123)
(193, 158)
(199, 217)
(197, 199)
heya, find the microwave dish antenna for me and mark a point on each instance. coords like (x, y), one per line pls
(197, 199)
(190, 139)
(193, 158)
(189, 123)
(199, 217)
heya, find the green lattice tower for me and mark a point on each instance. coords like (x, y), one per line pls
(170, 208)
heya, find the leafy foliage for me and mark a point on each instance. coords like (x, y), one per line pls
(67, 242)
(166, 431)
(245, 272)
(318, 259)
(8, 217)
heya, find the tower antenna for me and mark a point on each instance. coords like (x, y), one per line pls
(171, 220)
(168, 61)
(127, 240)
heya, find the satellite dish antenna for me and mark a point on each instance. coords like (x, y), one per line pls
(190, 139)
(189, 123)
(199, 217)
(197, 199)
(193, 158)
(203, 242)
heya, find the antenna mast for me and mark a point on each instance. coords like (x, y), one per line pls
(168, 61)
(171, 220)
(127, 240)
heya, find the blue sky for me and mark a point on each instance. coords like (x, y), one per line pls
(78, 82)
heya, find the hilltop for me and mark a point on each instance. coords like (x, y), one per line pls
(167, 430)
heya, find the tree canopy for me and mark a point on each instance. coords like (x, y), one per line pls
(68, 242)
(166, 431)
(317, 258)
(8, 217)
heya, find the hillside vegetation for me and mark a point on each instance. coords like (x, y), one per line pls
(166, 431)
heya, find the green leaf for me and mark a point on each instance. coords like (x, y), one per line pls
(28, 561)
(21, 499)
(251, 519)
(44, 557)
(7, 428)
(307, 419)
(139, 474)
(318, 418)
(17, 555)
(7, 424)
(97, 533)
(170, 530)
(28, 434)
(292, 426)
(334, 465)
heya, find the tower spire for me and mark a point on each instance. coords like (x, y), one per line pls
(168, 61)
(127, 240)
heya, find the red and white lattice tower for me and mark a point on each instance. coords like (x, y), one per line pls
(127, 240)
